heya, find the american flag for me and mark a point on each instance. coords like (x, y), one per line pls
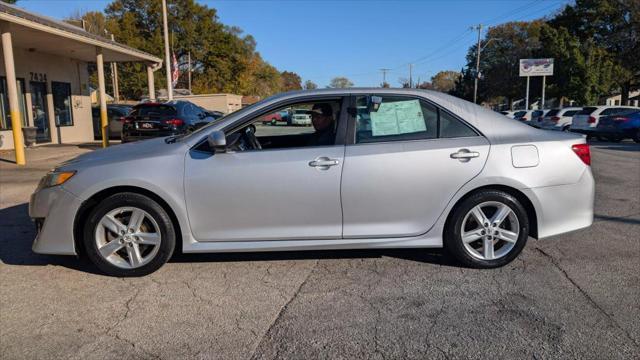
(176, 72)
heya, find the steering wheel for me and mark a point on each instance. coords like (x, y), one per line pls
(249, 137)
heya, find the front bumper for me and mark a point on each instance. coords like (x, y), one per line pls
(54, 211)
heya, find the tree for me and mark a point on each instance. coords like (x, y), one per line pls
(10, 1)
(340, 82)
(290, 81)
(310, 85)
(385, 85)
(445, 81)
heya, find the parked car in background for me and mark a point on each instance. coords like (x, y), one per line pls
(425, 170)
(530, 116)
(282, 116)
(301, 117)
(558, 119)
(619, 127)
(152, 119)
(586, 120)
(115, 115)
(508, 114)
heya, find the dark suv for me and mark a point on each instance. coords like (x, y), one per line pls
(148, 120)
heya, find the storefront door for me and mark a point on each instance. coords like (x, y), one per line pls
(39, 106)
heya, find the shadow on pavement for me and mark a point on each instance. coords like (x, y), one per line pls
(625, 220)
(17, 233)
(631, 146)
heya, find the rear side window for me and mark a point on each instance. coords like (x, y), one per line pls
(451, 127)
(400, 118)
(587, 111)
(155, 110)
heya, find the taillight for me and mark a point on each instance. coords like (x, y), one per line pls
(122, 119)
(174, 122)
(583, 152)
(127, 120)
(591, 120)
(555, 119)
(621, 118)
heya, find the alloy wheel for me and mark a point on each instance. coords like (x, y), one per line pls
(127, 237)
(490, 230)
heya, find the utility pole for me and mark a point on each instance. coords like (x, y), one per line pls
(475, 81)
(410, 75)
(384, 75)
(166, 50)
(189, 71)
(114, 78)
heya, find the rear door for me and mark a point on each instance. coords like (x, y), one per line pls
(403, 164)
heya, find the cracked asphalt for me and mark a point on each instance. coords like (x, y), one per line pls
(572, 296)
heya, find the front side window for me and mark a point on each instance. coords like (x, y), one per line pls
(62, 103)
(5, 112)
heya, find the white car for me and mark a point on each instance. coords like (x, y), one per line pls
(558, 119)
(528, 115)
(586, 121)
(301, 117)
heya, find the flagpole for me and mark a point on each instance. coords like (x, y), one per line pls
(166, 50)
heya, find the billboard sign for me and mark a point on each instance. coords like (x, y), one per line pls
(536, 67)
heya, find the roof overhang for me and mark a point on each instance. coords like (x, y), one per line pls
(45, 35)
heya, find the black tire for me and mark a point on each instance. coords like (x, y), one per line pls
(637, 137)
(566, 128)
(453, 238)
(157, 212)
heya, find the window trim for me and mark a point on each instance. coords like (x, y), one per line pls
(57, 123)
(351, 133)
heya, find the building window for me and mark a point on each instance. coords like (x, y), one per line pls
(62, 103)
(5, 113)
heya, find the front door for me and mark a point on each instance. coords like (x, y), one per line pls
(39, 107)
(408, 160)
(288, 190)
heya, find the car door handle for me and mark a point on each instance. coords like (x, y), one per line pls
(465, 155)
(323, 162)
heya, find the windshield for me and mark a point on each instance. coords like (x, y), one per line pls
(587, 111)
(156, 110)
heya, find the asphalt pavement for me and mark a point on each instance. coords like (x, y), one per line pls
(571, 296)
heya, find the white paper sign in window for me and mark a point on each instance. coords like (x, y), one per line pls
(398, 117)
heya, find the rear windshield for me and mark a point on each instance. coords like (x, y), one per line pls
(519, 114)
(587, 111)
(553, 112)
(300, 111)
(570, 112)
(537, 113)
(155, 110)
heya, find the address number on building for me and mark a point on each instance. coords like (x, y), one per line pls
(38, 76)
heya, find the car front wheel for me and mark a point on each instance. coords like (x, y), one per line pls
(487, 230)
(129, 234)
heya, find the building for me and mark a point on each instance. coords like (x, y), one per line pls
(615, 100)
(44, 79)
(225, 103)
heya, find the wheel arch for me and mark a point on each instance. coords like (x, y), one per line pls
(86, 207)
(519, 195)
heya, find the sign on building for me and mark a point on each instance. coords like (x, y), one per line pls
(536, 67)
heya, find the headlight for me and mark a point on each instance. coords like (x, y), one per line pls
(55, 178)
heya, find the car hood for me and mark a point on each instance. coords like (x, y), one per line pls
(121, 152)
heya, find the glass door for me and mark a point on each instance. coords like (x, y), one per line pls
(39, 106)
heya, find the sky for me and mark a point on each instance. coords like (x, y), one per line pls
(320, 40)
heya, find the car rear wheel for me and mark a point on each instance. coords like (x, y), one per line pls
(488, 229)
(129, 234)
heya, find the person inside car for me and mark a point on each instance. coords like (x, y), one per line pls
(324, 124)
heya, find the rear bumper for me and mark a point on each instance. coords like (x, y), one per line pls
(620, 132)
(140, 135)
(564, 208)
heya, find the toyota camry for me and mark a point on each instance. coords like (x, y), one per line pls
(378, 168)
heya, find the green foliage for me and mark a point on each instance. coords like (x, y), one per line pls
(10, 1)
(310, 85)
(224, 59)
(594, 43)
(340, 82)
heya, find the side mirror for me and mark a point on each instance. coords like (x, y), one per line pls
(374, 103)
(217, 140)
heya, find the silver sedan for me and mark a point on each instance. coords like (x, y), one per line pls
(379, 168)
